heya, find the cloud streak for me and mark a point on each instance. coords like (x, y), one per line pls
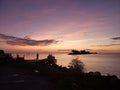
(107, 45)
(116, 38)
(12, 40)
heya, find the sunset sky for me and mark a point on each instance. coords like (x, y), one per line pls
(60, 25)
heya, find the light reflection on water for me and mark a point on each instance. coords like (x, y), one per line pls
(104, 63)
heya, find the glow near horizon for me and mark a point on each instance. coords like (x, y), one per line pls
(79, 24)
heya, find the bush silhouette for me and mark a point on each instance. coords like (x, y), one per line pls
(76, 65)
(51, 60)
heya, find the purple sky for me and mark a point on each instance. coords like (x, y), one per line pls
(60, 24)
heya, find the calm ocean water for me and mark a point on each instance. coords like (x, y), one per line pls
(104, 63)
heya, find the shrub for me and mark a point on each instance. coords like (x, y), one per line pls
(76, 65)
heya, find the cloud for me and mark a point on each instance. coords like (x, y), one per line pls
(107, 45)
(116, 38)
(11, 40)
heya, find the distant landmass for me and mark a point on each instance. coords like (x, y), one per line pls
(81, 52)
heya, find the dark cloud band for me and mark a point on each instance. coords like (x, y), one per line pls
(11, 40)
(116, 38)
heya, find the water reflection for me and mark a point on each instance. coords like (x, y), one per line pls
(104, 63)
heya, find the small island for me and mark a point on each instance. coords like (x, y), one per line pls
(81, 52)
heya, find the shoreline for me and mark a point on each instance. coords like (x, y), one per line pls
(56, 77)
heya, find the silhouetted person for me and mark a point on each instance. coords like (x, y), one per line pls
(37, 56)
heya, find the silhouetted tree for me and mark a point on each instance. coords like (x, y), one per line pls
(51, 59)
(76, 65)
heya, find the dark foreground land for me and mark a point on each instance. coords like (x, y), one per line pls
(41, 76)
(17, 77)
